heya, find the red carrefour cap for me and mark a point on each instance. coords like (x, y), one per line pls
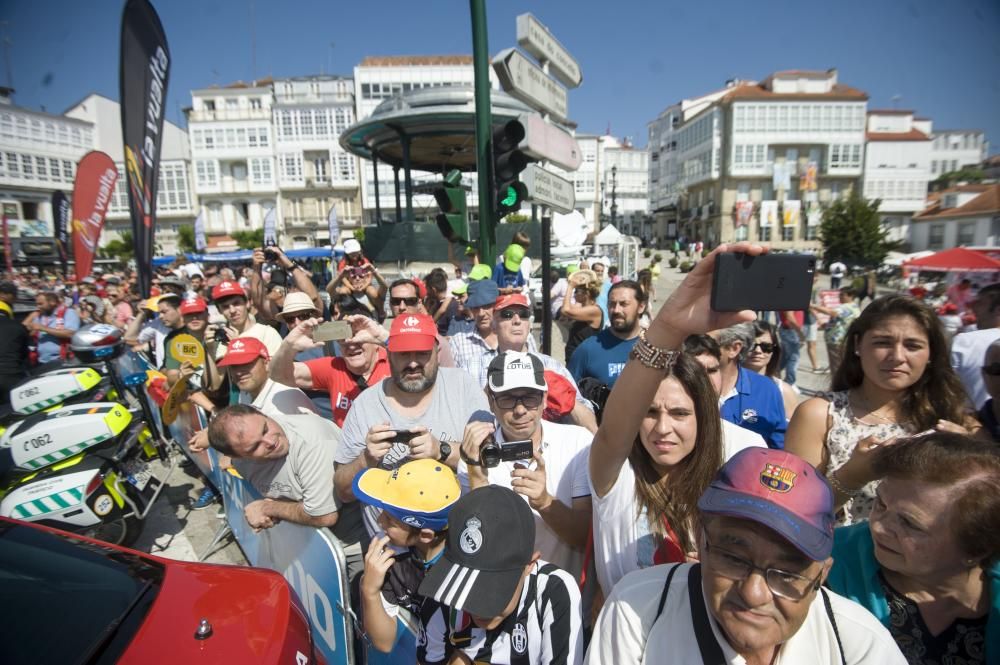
(511, 300)
(194, 305)
(412, 332)
(226, 289)
(243, 350)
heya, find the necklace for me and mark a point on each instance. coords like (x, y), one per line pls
(873, 413)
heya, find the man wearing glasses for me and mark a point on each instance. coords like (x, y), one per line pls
(748, 399)
(756, 596)
(404, 297)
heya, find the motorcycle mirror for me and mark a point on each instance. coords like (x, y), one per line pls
(133, 380)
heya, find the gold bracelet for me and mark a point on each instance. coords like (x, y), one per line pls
(651, 356)
(839, 487)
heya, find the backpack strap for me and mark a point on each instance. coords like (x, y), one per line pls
(711, 652)
(663, 595)
(833, 622)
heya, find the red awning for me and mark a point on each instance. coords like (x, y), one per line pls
(959, 259)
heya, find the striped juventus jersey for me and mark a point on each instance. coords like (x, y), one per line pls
(544, 628)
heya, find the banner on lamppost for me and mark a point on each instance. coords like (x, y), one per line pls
(331, 219)
(60, 226)
(143, 75)
(199, 232)
(96, 176)
(270, 229)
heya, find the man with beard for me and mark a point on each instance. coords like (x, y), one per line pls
(604, 355)
(343, 377)
(419, 412)
(404, 298)
(53, 325)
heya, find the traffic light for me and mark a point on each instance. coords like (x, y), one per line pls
(453, 220)
(508, 162)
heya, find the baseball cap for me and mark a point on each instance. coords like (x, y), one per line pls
(482, 293)
(511, 300)
(419, 493)
(226, 289)
(297, 302)
(351, 246)
(491, 538)
(460, 289)
(560, 398)
(510, 370)
(480, 271)
(512, 257)
(780, 491)
(243, 350)
(194, 305)
(173, 280)
(412, 332)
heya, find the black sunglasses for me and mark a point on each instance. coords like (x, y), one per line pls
(993, 369)
(410, 302)
(508, 313)
(763, 346)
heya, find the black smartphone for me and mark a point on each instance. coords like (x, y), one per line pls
(768, 283)
(513, 451)
(405, 436)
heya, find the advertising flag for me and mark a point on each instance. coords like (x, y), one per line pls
(60, 224)
(781, 176)
(793, 212)
(200, 244)
(96, 176)
(270, 229)
(142, 79)
(6, 245)
(807, 183)
(334, 225)
(744, 211)
(768, 213)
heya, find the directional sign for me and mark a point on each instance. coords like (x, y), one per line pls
(525, 80)
(549, 143)
(548, 189)
(536, 39)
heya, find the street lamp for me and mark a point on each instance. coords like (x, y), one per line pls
(614, 193)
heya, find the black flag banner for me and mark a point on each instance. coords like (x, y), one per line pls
(61, 214)
(145, 66)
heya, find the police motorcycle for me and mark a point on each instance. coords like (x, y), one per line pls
(84, 467)
(55, 388)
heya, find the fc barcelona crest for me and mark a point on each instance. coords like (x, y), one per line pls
(777, 478)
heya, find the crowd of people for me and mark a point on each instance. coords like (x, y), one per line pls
(665, 495)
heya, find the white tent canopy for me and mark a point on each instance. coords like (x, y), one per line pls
(569, 230)
(609, 236)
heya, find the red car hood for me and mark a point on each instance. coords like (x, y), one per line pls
(251, 612)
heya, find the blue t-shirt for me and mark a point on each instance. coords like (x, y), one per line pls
(506, 279)
(602, 356)
(756, 404)
(50, 346)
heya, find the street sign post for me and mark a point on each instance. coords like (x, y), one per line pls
(525, 80)
(548, 189)
(549, 143)
(536, 39)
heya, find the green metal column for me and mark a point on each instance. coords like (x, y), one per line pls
(484, 129)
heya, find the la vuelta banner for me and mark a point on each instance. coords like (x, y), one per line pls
(96, 176)
(143, 74)
(60, 214)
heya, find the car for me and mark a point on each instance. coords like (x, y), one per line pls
(69, 599)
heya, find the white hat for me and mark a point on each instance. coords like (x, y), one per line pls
(512, 369)
(352, 246)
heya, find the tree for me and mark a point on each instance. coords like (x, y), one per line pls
(122, 249)
(852, 233)
(185, 239)
(249, 239)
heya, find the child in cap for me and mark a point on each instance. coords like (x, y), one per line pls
(415, 500)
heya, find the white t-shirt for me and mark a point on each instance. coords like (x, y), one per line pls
(565, 449)
(266, 334)
(622, 538)
(155, 332)
(968, 351)
(626, 632)
(276, 398)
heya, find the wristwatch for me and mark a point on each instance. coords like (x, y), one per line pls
(445, 449)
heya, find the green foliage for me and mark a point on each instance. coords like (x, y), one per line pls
(185, 239)
(657, 257)
(123, 249)
(672, 262)
(687, 266)
(249, 239)
(852, 232)
(646, 253)
(359, 234)
(969, 174)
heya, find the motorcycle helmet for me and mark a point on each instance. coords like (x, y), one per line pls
(98, 342)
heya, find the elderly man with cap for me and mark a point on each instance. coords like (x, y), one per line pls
(142, 331)
(500, 602)
(474, 350)
(756, 596)
(552, 477)
(419, 412)
(232, 302)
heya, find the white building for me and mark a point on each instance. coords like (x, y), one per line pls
(176, 204)
(38, 155)
(233, 156)
(951, 149)
(962, 216)
(897, 167)
(314, 172)
(625, 185)
(757, 160)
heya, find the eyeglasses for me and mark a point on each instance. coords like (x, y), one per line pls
(781, 583)
(300, 316)
(410, 302)
(508, 313)
(993, 369)
(765, 347)
(529, 400)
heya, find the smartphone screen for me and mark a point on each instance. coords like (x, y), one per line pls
(332, 331)
(765, 283)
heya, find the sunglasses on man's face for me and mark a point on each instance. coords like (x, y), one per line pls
(410, 302)
(508, 313)
(993, 369)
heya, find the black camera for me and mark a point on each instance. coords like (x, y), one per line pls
(492, 453)
(270, 254)
(221, 336)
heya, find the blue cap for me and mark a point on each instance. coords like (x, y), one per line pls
(482, 293)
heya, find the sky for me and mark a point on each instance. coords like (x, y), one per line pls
(940, 59)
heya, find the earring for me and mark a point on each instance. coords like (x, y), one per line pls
(856, 352)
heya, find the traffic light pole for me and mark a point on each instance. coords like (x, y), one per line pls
(484, 131)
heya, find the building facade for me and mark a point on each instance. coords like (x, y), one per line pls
(962, 216)
(624, 186)
(952, 149)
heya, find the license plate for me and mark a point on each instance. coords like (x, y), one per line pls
(137, 472)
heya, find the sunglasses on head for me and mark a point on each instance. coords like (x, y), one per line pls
(993, 369)
(508, 313)
(410, 302)
(766, 347)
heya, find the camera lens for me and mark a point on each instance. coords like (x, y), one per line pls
(489, 453)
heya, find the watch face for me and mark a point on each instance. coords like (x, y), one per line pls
(445, 451)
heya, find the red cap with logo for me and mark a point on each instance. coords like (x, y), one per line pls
(511, 300)
(412, 333)
(194, 305)
(226, 289)
(243, 350)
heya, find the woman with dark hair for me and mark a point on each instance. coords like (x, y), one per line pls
(926, 562)
(582, 309)
(895, 379)
(765, 358)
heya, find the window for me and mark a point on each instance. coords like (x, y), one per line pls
(260, 171)
(935, 236)
(232, 103)
(743, 191)
(967, 233)
(68, 169)
(788, 233)
(26, 166)
(835, 190)
(13, 167)
(255, 103)
(345, 166)
(306, 123)
(54, 171)
(119, 198)
(764, 234)
(291, 166)
(173, 194)
(207, 173)
(209, 105)
(287, 130)
(934, 166)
